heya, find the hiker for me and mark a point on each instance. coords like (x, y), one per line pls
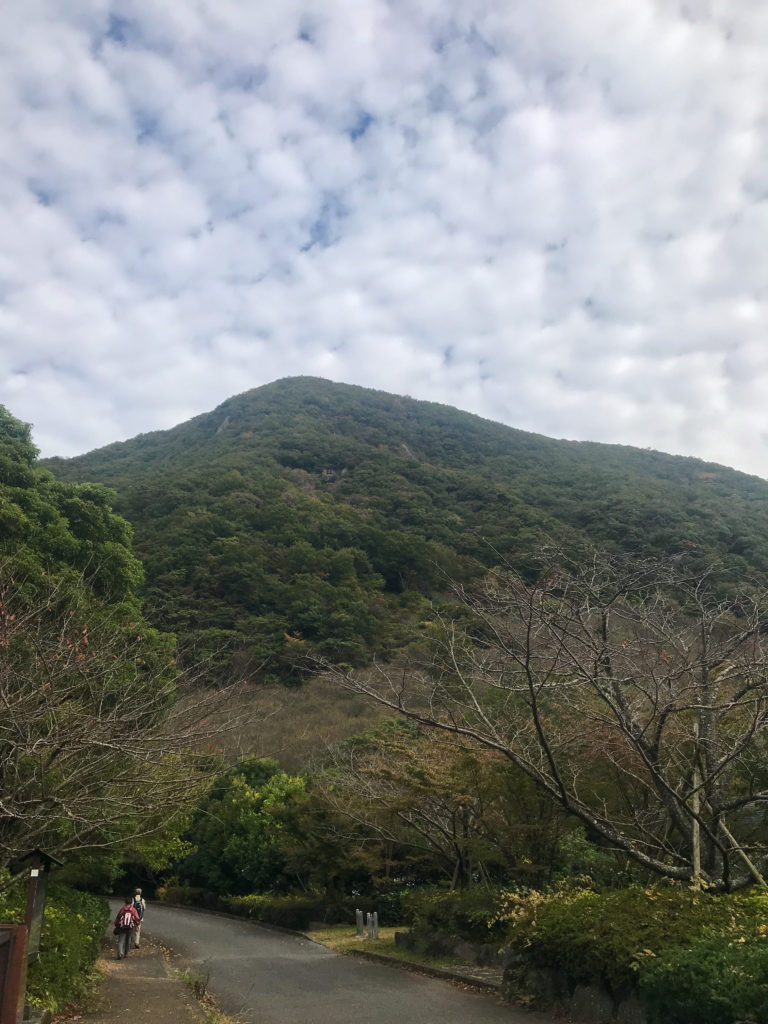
(139, 905)
(126, 920)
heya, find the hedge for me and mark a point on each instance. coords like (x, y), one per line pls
(70, 942)
(287, 911)
(690, 956)
(716, 979)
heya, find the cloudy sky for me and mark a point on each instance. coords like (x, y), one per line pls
(548, 212)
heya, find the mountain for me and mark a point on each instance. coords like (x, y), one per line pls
(311, 513)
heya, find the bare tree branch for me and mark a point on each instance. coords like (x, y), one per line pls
(627, 690)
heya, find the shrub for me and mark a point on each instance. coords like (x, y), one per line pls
(469, 914)
(716, 979)
(296, 912)
(188, 895)
(390, 902)
(288, 911)
(70, 941)
(622, 938)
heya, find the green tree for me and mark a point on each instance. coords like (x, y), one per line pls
(239, 829)
(94, 739)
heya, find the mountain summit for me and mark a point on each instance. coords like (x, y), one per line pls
(311, 513)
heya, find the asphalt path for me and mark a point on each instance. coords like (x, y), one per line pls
(262, 976)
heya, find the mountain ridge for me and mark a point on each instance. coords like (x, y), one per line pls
(225, 409)
(309, 513)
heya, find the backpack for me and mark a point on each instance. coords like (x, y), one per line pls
(138, 905)
(126, 920)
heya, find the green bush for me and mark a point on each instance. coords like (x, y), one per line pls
(716, 979)
(469, 914)
(296, 912)
(174, 892)
(391, 903)
(289, 911)
(70, 941)
(634, 938)
(292, 910)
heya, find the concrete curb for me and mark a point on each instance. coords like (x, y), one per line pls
(444, 973)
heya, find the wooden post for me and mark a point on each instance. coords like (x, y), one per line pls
(359, 921)
(39, 875)
(13, 972)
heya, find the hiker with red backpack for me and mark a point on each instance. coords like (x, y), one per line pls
(126, 920)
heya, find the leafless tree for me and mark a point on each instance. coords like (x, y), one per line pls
(630, 692)
(101, 740)
(439, 798)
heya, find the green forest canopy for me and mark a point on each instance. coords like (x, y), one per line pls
(306, 513)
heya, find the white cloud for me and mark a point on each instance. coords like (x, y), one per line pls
(552, 214)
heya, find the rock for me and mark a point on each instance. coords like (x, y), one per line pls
(466, 950)
(405, 940)
(592, 1005)
(550, 986)
(629, 1011)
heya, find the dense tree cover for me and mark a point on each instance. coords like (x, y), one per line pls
(243, 828)
(65, 529)
(310, 514)
(386, 810)
(260, 829)
(92, 739)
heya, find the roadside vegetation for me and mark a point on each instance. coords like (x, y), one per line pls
(70, 941)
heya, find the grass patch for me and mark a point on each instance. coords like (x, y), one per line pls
(197, 982)
(343, 939)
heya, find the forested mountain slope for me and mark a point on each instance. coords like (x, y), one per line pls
(311, 513)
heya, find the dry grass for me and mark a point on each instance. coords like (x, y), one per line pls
(197, 983)
(342, 939)
(294, 725)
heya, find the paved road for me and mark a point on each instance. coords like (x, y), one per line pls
(266, 977)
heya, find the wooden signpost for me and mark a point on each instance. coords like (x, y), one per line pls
(13, 972)
(20, 943)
